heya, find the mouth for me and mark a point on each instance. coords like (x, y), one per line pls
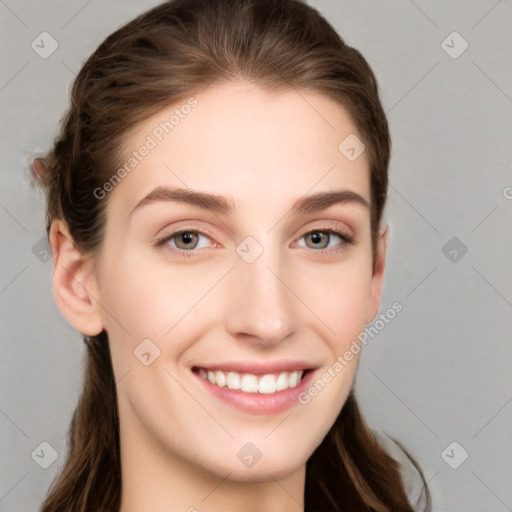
(253, 388)
(266, 384)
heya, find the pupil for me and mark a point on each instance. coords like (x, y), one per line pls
(317, 237)
(187, 237)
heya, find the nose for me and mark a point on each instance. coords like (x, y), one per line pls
(261, 305)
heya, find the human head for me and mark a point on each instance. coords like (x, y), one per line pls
(182, 49)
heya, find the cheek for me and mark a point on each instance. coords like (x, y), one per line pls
(146, 299)
(149, 297)
(339, 300)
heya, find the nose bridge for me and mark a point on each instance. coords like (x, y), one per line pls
(260, 304)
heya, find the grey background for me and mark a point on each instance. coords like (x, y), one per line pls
(440, 371)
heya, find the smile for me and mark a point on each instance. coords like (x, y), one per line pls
(249, 383)
(256, 388)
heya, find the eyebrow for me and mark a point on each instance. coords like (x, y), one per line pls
(223, 205)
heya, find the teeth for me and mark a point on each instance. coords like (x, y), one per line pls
(234, 380)
(282, 381)
(267, 384)
(250, 383)
(220, 379)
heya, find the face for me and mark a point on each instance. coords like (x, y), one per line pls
(230, 277)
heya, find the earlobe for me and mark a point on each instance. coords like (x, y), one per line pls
(378, 276)
(73, 282)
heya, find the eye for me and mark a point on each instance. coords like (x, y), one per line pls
(186, 242)
(321, 239)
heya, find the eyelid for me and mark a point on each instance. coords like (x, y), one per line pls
(187, 228)
(327, 225)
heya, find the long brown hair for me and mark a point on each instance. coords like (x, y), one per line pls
(160, 58)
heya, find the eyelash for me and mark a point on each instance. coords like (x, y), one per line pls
(161, 243)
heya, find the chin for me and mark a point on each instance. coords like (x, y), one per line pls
(268, 464)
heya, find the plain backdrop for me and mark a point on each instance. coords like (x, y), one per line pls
(438, 376)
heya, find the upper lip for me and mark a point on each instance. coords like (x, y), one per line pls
(256, 367)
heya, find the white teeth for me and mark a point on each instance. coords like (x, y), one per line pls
(250, 383)
(220, 379)
(267, 384)
(234, 381)
(282, 381)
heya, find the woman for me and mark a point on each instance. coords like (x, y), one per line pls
(214, 205)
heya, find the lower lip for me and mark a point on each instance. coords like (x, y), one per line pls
(259, 403)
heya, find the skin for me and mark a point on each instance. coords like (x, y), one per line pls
(263, 151)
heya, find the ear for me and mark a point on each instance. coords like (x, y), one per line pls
(378, 276)
(74, 285)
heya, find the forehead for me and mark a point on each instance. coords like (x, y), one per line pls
(238, 140)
